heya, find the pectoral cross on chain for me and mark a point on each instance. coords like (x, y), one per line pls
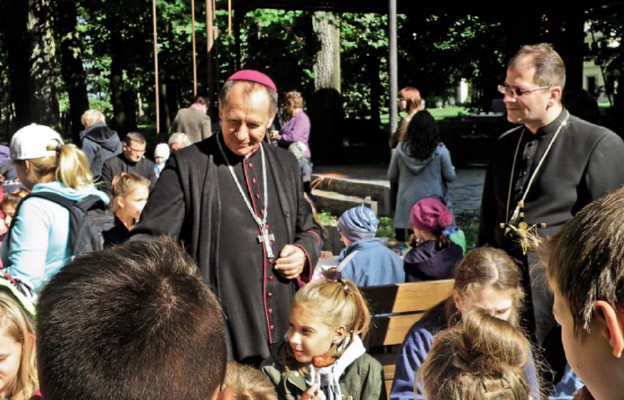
(522, 230)
(266, 238)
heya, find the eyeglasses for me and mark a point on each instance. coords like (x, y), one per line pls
(517, 92)
(136, 151)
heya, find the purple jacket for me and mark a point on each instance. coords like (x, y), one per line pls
(297, 129)
(425, 262)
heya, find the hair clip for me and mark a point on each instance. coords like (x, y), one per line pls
(344, 285)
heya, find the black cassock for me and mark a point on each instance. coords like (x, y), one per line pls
(197, 201)
(585, 162)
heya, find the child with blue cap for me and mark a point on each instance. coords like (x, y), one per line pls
(366, 260)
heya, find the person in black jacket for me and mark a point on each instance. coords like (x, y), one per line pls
(98, 141)
(540, 175)
(132, 159)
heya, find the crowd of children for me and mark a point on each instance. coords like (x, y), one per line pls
(140, 314)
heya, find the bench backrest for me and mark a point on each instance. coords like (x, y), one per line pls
(395, 308)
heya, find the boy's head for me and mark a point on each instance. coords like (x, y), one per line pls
(358, 223)
(134, 321)
(430, 215)
(584, 264)
(248, 383)
(134, 146)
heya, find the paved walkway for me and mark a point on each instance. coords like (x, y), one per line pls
(465, 190)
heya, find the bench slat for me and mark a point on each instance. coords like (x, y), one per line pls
(407, 297)
(391, 330)
(394, 309)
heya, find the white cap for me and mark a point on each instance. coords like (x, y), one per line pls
(298, 149)
(35, 141)
(162, 150)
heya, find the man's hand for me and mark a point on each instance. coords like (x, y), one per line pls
(290, 262)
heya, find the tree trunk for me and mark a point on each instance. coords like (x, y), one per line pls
(123, 98)
(43, 61)
(569, 41)
(72, 70)
(325, 106)
(327, 61)
(376, 88)
(14, 22)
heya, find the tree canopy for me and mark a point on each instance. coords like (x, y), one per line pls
(59, 57)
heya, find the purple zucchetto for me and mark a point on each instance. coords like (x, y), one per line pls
(251, 75)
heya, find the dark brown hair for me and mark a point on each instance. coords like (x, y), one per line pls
(135, 321)
(423, 135)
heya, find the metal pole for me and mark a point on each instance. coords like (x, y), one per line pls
(229, 18)
(156, 67)
(209, 44)
(392, 63)
(194, 48)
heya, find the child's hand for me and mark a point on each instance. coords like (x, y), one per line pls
(326, 254)
(313, 393)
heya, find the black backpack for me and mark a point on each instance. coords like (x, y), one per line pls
(88, 218)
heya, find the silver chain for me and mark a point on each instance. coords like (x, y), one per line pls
(516, 212)
(260, 222)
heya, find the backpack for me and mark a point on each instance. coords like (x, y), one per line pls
(88, 218)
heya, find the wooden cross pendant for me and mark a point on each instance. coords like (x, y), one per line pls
(266, 238)
(522, 230)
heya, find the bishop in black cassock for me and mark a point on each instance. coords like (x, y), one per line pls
(205, 198)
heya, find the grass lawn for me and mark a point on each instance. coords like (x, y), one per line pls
(438, 113)
(445, 112)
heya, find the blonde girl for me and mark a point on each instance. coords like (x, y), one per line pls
(482, 358)
(323, 356)
(39, 243)
(130, 192)
(486, 278)
(18, 367)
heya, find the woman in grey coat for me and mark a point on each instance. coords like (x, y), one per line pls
(421, 166)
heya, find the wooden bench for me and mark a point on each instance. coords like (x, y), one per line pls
(394, 309)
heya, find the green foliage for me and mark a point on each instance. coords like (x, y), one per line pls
(326, 218)
(469, 223)
(606, 27)
(264, 31)
(364, 44)
(434, 53)
(386, 227)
